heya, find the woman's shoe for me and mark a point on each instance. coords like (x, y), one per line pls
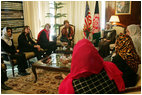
(27, 73)
(23, 73)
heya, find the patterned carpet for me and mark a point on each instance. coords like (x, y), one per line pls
(47, 83)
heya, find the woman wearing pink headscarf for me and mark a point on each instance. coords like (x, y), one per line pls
(90, 73)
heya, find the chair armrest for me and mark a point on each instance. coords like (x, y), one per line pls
(132, 89)
(29, 55)
(41, 49)
(6, 53)
(3, 67)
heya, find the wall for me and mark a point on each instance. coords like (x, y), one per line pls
(133, 18)
(12, 15)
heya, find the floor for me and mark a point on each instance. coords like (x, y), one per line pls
(9, 74)
(10, 92)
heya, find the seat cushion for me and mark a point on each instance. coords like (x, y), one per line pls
(29, 55)
(119, 29)
(15, 39)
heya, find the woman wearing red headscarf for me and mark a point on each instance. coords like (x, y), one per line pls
(90, 73)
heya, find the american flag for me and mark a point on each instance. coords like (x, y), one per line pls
(96, 19)
(87, 19)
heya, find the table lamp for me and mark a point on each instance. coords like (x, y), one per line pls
(114, 19)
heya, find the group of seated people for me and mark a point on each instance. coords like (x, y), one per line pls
(89, 72)
(27, 44)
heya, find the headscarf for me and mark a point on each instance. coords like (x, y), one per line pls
(108, 23)
(125, 48)
(86, 61)
(46, 32)
(5, 37)
(135, 34)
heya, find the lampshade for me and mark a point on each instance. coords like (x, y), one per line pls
(114, 19)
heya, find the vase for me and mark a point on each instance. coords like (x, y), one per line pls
(87, 35)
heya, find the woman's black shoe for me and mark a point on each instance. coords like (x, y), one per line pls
(23, 73)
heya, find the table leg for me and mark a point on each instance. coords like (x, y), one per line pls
(34, 72)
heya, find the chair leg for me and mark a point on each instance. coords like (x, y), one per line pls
(28, 63)
(13, 71)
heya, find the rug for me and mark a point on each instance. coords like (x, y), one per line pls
(47, 83)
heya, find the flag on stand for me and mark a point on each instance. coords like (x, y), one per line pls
(96, 19)
(88, 21)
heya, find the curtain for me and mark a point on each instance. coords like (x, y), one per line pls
(34, 15)
(75, 15)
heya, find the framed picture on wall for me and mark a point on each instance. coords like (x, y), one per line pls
(123, 7)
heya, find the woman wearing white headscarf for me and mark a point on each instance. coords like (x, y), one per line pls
(109, 35)
(5, 36)
(134, 32)
(8, 46)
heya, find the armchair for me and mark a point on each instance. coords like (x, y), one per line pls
(59, 43)
(119, 29)
(28, 55)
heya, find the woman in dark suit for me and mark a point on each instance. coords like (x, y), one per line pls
(8, 46)
(26, 44)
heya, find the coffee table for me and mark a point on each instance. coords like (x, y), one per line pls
(64, 50)
(51, 62)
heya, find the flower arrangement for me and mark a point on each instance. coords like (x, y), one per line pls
(87, 30)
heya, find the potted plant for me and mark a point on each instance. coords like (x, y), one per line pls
(57, 6)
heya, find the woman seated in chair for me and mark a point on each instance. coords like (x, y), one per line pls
(126, 59)
(108, 38)
(8, 46)
(43, 40)
(67, 33)
(26, 44)
(90, 74)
